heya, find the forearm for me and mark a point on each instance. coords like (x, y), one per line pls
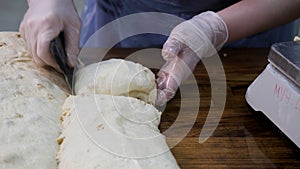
(252, 16)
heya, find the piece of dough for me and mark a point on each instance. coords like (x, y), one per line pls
(30, 101)
(115, 132)
(117, 77)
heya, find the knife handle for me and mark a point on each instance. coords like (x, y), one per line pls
(57, 49)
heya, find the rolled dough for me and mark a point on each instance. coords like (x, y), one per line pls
(30, 101)
(104, 131)
(105, 126)
(117, 77)
(99, 131)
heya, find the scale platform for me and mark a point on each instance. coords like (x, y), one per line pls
(276, 91)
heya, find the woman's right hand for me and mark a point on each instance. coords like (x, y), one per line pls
(43, 21)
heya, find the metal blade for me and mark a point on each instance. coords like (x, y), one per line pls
(57, 49)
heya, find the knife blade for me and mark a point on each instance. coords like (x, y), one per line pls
(57, 49)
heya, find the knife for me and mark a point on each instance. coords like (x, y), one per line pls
(57, 49)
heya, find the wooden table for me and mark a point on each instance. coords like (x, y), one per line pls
(244, 138)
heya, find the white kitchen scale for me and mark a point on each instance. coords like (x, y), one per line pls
(276, 91)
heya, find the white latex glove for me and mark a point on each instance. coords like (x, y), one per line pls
(204, 33)
(43, 21)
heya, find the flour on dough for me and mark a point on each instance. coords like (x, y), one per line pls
(30, 101)
(117, 77)
(104, 131)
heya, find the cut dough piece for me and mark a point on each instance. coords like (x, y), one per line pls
(117, 77)
(104, 131)
(30, 101)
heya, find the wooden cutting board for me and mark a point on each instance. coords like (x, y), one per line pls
(244, 138)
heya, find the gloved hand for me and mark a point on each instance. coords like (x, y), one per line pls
(43, 21)
(189, 41)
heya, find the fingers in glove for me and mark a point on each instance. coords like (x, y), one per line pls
(72, 42)
(52, 27)
(190, 59)
(38, 37)
(43, 49)
(173, 73)
(166, 88)
(33, 51)
(27, 31)
(168, 81)
(171, 48)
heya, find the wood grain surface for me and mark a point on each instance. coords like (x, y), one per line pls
(244, 138)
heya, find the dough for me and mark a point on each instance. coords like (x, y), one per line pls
(105, 126)
(115, 132)
(99, 131)
(30, 101)
(117, 77)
